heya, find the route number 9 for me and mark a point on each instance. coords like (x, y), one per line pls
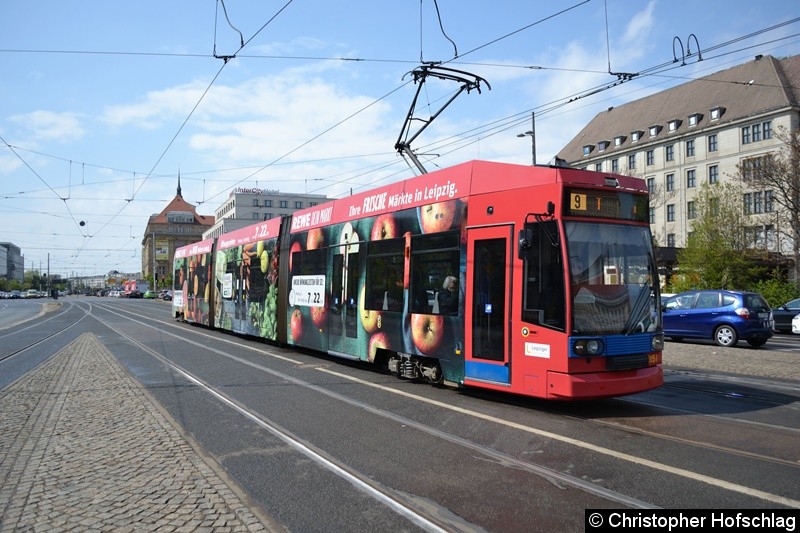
(578, 202)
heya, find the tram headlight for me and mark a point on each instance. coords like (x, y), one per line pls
(658, 343)
(588, 347)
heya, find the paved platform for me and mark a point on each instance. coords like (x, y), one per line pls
(83, 446)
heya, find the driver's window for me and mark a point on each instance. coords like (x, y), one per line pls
(543, 296)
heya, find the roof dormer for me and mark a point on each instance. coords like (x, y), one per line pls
(717, 112)
(674, 124)
(602, 145)
(694, 119)
(636, 135)
(618, 140)
(654, 130)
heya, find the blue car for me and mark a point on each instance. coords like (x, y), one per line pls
(719, 315)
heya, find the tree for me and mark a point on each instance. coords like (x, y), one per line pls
(716, 255)
(779, 173)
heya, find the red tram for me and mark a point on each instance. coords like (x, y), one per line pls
(539, 281)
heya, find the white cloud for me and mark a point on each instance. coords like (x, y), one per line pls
(158, 107)
(640, 25)
(50, 126)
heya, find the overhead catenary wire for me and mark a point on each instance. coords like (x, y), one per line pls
(185, 121)
(482, 133)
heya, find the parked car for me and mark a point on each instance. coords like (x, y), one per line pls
(135, 294)
(720, 315)
(150, 295)
(796, 324)
(166, 296)
(784, 314)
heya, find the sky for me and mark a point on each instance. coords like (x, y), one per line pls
(103, 104)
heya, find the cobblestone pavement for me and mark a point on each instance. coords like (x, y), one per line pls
(84, 447)
(741, 359)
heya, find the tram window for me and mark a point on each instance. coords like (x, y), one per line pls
(433, 258)
(353, 274)
(296, 259)
(384, 276)
(309, 263)
(543, 296)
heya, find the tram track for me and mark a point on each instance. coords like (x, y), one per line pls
(28, 346)
(422, 513)
(775, 499)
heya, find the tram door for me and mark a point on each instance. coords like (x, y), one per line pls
(487, 304)
(343, 317)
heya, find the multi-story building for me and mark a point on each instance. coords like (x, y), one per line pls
(703, 131)
(12, 266)
(246, 206)
(178, 224)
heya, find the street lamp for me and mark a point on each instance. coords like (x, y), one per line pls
(532, 134)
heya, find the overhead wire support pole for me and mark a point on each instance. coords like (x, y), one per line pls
(468, 83)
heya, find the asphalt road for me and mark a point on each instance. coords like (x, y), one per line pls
(319, 444)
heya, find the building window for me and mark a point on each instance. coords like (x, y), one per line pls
(691, 179)
(256, 216)
(671, 240)
(284, 203)
(298, 205)
(758, 203)
(267, 216)
(598, 167)
(716, 112)
(654, 130)
(255, 202)
(670, 182)
(753, 167)
(713, 174)
(694, 119)
(652, 215)
(619, 140)
(713, 206)
(691, 210)
(674, 124)
(670, 212)
(615, 165)
(636, 135)
(745, 134)
(602, 145)
(651, 158)
(712, 142)
(651, 185)
(587, 149)
(690, 148)
(632, 161)
(669, 152)
(767, 130)
(756, 132)
(312, 204)
(267, 203)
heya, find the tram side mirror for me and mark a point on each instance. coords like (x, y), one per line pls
(525, 242)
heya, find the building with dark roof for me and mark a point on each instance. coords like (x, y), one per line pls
(178, 224)
(695, 133)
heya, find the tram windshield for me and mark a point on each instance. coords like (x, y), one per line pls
(612, 276)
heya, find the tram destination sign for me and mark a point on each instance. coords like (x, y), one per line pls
(598, 203)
